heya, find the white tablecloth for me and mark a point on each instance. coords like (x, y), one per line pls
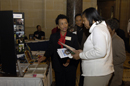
(19, 81)
(22, 81)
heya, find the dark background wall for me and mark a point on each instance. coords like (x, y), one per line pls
(106, 8)
(120, 8)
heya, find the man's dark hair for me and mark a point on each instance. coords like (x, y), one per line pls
(113, 24)
(37, 26)
(77, 15)
(116, 20)
(92, 14)
(61, 16)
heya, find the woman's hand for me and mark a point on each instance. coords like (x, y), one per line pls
(80, 50)
(76, 55)
(41, 59)
(67, 63)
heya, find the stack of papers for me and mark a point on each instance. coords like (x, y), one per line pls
(38, 74)
(39, 67)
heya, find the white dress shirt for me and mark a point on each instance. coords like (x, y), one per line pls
(97, 55)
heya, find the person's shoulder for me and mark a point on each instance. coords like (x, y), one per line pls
(42, 32)
(71, 34)
(101, 27)
(55, 34)
(35, 32)
(117, 39)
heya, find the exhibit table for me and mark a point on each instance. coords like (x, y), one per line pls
(45, 80)
(46, 76)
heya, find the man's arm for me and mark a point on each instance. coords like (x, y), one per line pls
(119, 52)
(34, 35)
(43, 36)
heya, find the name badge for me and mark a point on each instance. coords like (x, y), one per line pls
(68, 38)
(74, 32)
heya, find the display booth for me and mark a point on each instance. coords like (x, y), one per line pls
(12, 48)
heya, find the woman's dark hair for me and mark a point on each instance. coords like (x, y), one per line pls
(92, 14)
(77, 15)
(61, 16)
(37, 26)
(113, 24)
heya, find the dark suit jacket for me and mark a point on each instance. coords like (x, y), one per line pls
(119, 57)
(119, 54)
(57, 62)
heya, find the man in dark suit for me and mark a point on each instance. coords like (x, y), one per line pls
(79, 29)
(82, 34)
(65, 69)
(120, 32)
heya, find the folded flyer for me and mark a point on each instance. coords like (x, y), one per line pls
(63, 53)
(71, 49)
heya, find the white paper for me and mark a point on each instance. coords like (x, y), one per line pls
(62, 53)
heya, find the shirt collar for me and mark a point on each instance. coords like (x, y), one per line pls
(95, 24)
